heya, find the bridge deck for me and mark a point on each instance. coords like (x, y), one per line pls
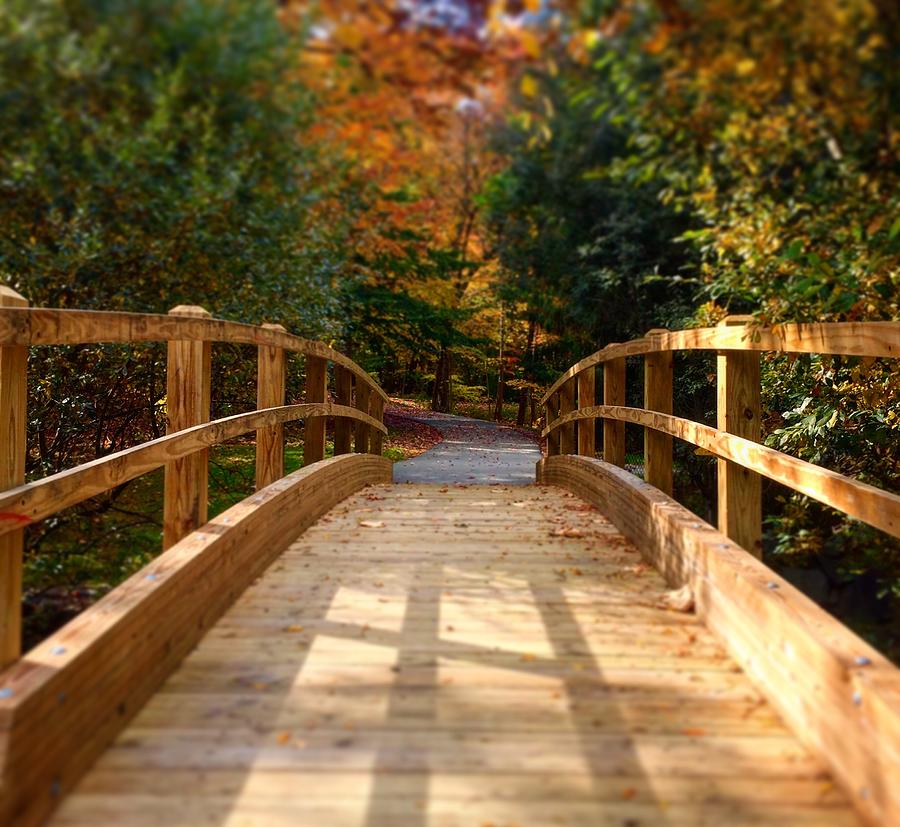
(458, 660)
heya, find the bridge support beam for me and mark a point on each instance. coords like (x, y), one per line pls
(738, 409)
(13, 411)
(658, 382)
(376, 438)
(343, 428)
(187, 403)
(270, 379)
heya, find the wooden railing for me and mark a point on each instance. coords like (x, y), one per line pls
(570, 408)
(189, 332)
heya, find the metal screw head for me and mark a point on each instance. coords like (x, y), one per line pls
(771, 585)
(5, 692)
(862, 660)
(857, 699)
(58, 650)
(150, 577)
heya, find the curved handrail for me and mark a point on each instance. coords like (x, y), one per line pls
(866, 339)
(864, 502)
(52, 326)
(37, 500)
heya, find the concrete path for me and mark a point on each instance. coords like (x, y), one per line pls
(473, 452)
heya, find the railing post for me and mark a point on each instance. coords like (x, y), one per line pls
(614, 394)
(552, 413)
(376, 444)
(586, 399)
(343, 428)
(13, 411)
(566, 406)
(187, 404)
(658, 382)
(361, 430)
(738, 412)
(270, 383)
(316, 390)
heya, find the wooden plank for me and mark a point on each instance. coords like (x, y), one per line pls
(586, 399)
(866, 339)
(375, 436)
(658, 388)
(552, 407)
(343, 428)
(835, 691)
(64, 701)
(186, 496)
(880, 509)
(614, 394)
(316, 391)
(37, 500)
(270, 387)
(567, 405)
(51, 326)
(13, 414)
(448, 681)
(738, 412)
(361, 433)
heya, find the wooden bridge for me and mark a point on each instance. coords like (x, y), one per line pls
(338, 650)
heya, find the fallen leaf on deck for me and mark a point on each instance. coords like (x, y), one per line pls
(629, 793)
(371, 523)
(283, 738)
(293, 628)
(567, 531)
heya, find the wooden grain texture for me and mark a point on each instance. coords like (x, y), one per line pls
(13, 418)
(868, 339)
(436, 655)
(316, 391)
(64, 701)
(343, 428)
(186, 486)
(587, 398)
(375, 436)
(52, 326)
(614, 394)
(738, 412)
(36, 500)
(361, 433)
(551, 414)
(835, 691)
(270, 388)
(567, 404)
(878, 508)
(658, 396)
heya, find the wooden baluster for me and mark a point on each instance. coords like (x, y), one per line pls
(376, 437)
(566, 406)
(13, 412)
(658, 380)
(316, 390)
(614, 394)
(363, 402)
(586, 399)
(552, 413)
(270, 384)
(187, 403)
(343, 428)
(738, 410)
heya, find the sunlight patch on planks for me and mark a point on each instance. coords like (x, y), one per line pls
(480, 656)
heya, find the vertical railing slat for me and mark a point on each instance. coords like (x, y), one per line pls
(658, 382)
(614, 394)
(316, 390)
(187, 403)
(738, 412)
(551, 412)
(587, 396)
(270, 387)
(361, 430)
(13, 412)
(567, 406)
(343, 428)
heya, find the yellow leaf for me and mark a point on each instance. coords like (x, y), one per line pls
(745, 67)
(529, 86)
(530, 43)
(534, 6)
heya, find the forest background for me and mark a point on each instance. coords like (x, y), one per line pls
(466, 197)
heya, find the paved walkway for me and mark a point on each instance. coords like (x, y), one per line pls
(473, 451)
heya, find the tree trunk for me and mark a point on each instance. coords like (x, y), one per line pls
(441, 399)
